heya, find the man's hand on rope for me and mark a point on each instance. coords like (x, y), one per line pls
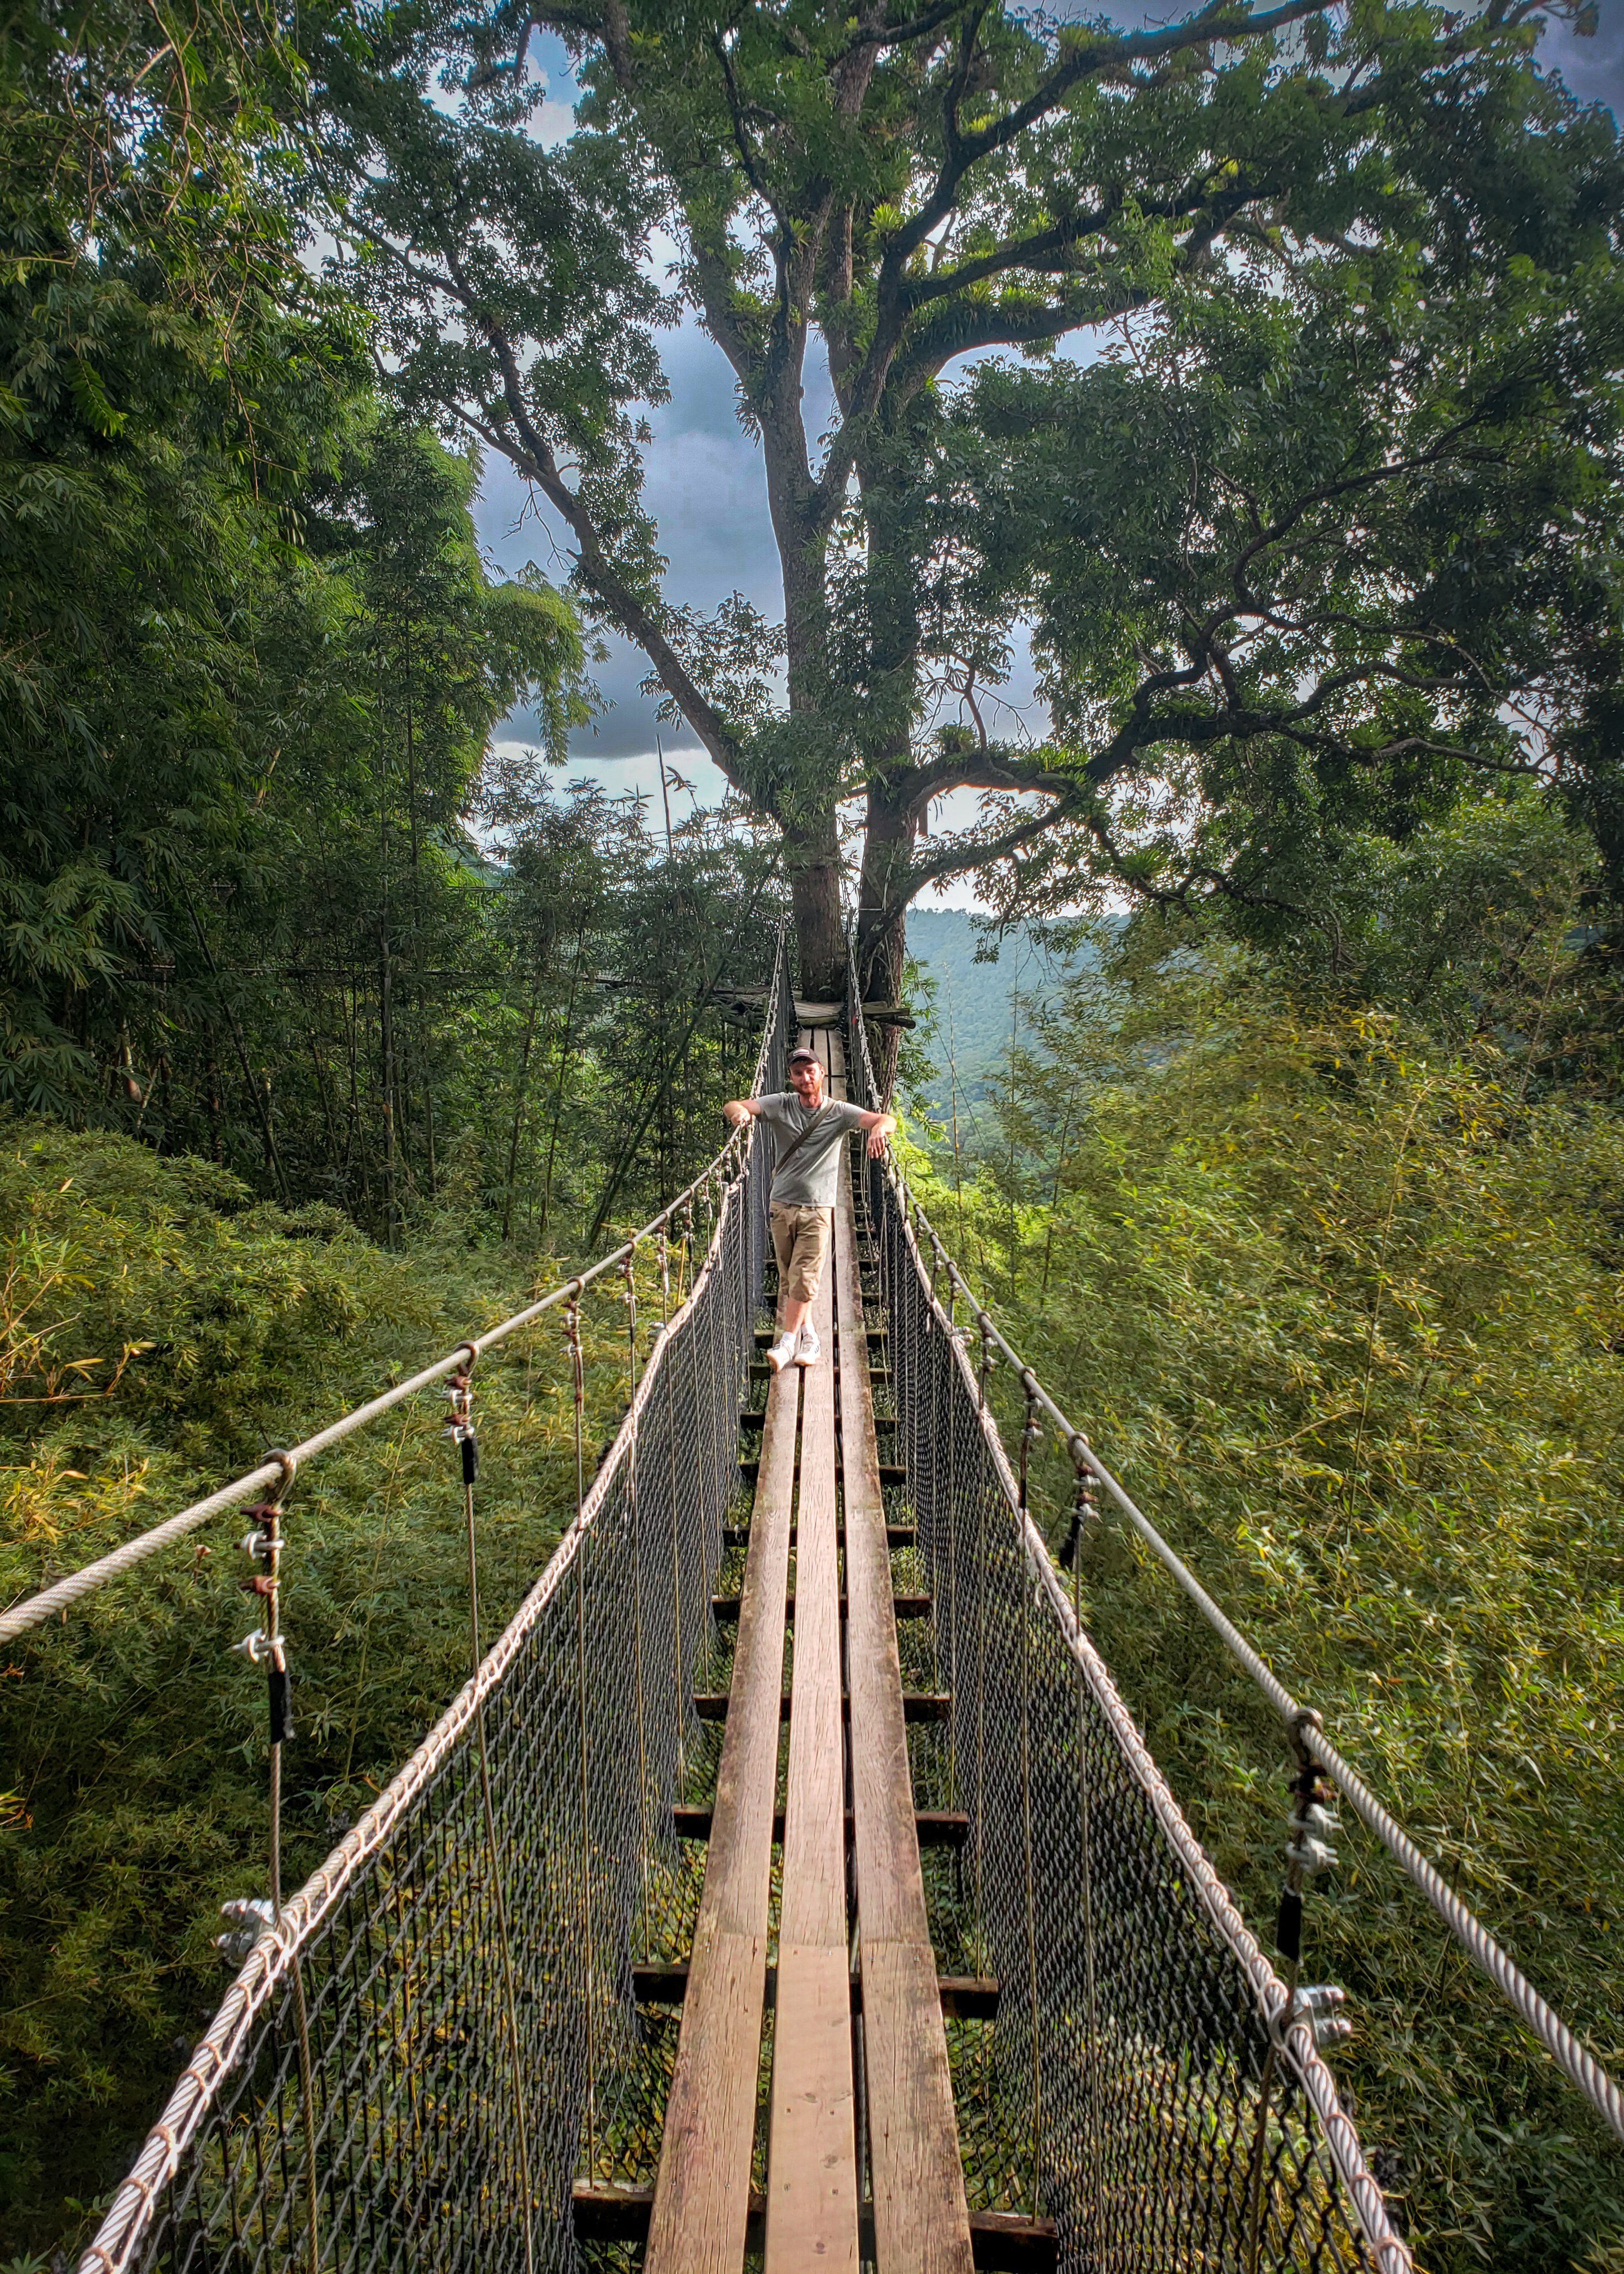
(880, 1132)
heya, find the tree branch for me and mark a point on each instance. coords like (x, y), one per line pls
(955, 855)
(527, 450)
(897, 35)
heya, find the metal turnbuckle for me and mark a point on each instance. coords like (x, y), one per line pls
(460, 1426)
(247, 1917)
(1322, 2003)
(1308, 1849)
(262, 1649)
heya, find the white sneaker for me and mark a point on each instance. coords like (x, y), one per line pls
(782, 1353)
(808, 1349)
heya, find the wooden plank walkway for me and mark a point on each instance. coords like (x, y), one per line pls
(917, 2222)
(811, 2151)
(702, 2193)
(921, 2221)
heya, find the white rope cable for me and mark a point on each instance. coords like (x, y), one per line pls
(1571, 2055)
(56, 1600)
(1569, 2052)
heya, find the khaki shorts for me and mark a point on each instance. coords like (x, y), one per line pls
(800, 1238)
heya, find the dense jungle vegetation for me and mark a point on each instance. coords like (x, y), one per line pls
(1264, 373)
(1330, 1278)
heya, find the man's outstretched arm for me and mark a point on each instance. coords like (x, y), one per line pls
(879, 1126)
(740, 1109)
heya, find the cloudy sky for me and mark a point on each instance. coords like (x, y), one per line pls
(704, 487)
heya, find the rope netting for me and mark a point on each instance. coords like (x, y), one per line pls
(460, 2017)
(1322, 1773)
(439, 2033)
(1146, 2080)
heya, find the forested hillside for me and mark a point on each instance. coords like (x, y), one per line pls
(970, 1023)
(1333, 1288)
(1257, 373)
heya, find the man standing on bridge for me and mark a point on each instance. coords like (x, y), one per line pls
(807, 1132)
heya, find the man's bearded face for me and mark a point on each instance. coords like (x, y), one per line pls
(807, 1081)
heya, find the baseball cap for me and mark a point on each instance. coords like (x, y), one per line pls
(803, 1056)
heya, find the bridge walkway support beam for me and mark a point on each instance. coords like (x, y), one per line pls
(702, 2193)
(811, 2151)
(921, 2221)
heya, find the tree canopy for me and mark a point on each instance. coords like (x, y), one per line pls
(1316, 555)
(1262, 369)
(917, 188)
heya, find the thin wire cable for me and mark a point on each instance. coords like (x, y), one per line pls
(268, 1587)
(464, 1432)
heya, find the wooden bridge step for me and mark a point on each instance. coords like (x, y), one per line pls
(917, 1705)
(725, 1608)
(886, 1472)
(751, 1418)
(1002, 2243)
(700, 2207)
(896, 1535)
(934, 1828)
(964, 1997)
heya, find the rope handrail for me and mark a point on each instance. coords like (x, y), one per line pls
(1284, 2017)
(278, 1467)
(344, 1945)
(1571, 2055)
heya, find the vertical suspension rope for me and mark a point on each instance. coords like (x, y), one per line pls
(706, 1439)
(1082, 1509)
(980, 1620)
(1304, 1854)
(632, 1454)
(461, 1430)
(628, 1273)
(1028, 1438)
(679, 1702)
(711, 1446)
(951, 1525)
(577, 1376)
(268, 1647)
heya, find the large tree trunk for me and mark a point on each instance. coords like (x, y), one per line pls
(892, 819)
(888, 839)
(813, 856)
(811, 846)
(881, 937)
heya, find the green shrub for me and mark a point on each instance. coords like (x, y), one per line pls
(1342, 1312)
(158, 1330)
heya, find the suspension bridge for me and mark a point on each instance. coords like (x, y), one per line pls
(789, 1885)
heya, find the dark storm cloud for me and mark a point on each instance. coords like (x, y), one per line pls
(1593, 68)
(703, 486)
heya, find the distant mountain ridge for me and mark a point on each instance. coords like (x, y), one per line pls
(972, 1010)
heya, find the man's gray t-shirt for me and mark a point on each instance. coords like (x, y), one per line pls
(811, 1177)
